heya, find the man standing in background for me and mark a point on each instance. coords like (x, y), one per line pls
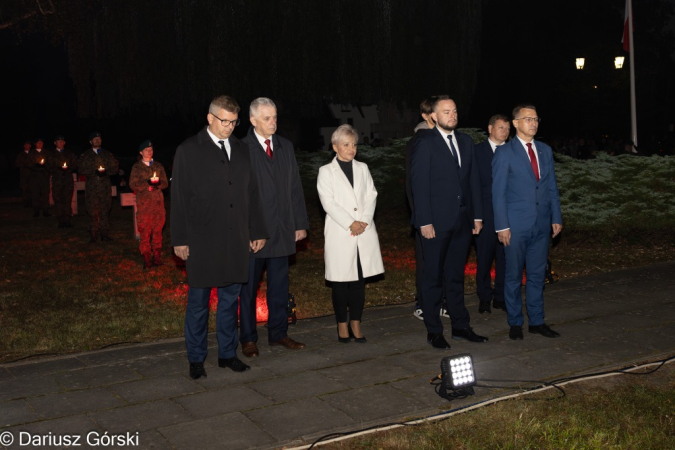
(39, 180)
(62, 164)
(24, 162)
(98, 165)
(487, 247)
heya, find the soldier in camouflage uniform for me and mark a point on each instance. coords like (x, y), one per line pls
(39, 179)
(98, 165)
(62, 164)
(23, 162)
(147, 180)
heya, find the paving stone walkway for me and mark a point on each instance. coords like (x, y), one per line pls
(290, 398)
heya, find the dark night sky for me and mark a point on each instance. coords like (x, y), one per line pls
(527, 52)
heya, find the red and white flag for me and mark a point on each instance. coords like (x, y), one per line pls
(624, 39)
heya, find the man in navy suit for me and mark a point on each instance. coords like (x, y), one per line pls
(487, 247)
(446, 194)
(526, 209)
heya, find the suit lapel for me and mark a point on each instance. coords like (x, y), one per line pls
(464, 155)
(356, 168)
(521, 155)
(343, 178)
(543, 169)
(215, 148)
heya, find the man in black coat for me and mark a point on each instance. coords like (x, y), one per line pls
(487, 247)
(216, 218)
(447, 210)
(273, 158)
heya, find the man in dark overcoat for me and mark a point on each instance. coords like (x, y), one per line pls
(273, 158)
(216, 219)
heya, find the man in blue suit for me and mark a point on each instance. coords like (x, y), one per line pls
(487, 247)
(447, 209)
(526, 207)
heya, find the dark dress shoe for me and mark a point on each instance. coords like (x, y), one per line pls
(544, 330)
(468, 334)
(197, 370)
(516, 333)
(288, 343)
(437, 340)
(234, 364)
(499, 305)
(484, 307)
(249, 350)
(361, 340)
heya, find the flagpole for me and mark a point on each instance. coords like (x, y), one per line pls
(631, 54)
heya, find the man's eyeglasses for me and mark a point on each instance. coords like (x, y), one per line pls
(225, 122)
(530, 119)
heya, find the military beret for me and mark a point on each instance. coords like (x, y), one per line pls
(94, 134)
(145, 144)
(59, 138)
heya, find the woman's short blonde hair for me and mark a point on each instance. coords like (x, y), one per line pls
(343, 132)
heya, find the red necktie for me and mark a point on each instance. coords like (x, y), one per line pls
(533, 161)
(268, 149)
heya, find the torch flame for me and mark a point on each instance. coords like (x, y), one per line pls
(42, 161)
(154, 174)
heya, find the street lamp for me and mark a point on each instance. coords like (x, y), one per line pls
(618, 62)
(580, 63)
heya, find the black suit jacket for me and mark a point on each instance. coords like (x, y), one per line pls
(215, 210)
(281, 192)
(408, 159)
(484, 156)
(438, 189)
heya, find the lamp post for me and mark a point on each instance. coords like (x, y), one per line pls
(618, 62)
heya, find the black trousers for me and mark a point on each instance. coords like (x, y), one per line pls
(349, 295)
(444, 259)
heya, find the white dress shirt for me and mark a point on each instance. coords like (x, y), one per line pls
(226, 141)
(454, 142)
(262, 141)
(534, 149)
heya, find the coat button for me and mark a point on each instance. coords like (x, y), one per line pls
(230, 183)
(231, 205)
(355, 209)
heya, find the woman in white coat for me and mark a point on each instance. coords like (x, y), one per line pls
(352, 249)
